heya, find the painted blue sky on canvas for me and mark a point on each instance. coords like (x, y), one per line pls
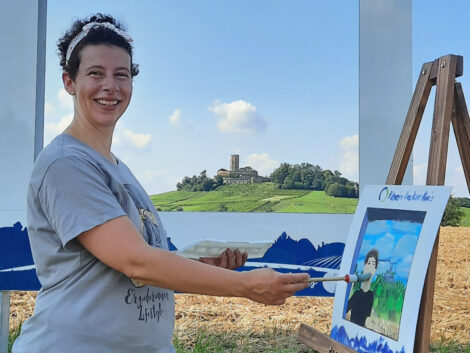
(396, 242)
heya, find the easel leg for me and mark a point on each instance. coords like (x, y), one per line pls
(461, 125)
(436, 176)
(423, 327)
(441, 122)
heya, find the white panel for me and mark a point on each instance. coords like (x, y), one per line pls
(184, 227)
(385, 84)
(18, 102)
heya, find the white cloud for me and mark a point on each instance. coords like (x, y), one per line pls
(48, 108)
(262, 163)
(157, 181)
(378, 227)
(349, 164)
(123, 137)
(406, 246)
(403, 267)
(53, 129)
(175, 118)
(65, 99)
(455, 177)
(385, 244)
(136, 140)
(419, 174)
(151, 177)
(238, 117)
(349, 142)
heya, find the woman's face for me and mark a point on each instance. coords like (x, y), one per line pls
(103, 86)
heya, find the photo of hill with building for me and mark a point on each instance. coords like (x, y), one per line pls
(298, 188)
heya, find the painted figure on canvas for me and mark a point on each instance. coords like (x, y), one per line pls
(360, 304)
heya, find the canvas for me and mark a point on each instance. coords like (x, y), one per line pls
(298, 242)
(391, 238)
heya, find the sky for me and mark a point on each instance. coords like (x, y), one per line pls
(396, 242)
(272, 81)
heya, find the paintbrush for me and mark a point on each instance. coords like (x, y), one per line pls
(348, 278)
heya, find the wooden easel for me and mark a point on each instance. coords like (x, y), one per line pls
(449, 106)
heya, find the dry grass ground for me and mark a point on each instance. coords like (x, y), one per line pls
(251, 324)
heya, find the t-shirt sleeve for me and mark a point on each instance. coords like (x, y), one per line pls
(75, 198)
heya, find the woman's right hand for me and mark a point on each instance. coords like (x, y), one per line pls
(267, 286)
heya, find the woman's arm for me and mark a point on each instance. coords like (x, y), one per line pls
(118, 244)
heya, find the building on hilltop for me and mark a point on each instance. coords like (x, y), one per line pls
(237, 175)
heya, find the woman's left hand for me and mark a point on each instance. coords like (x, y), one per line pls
(228, 259)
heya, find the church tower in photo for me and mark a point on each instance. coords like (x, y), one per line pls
(234, 162)
(237, 175)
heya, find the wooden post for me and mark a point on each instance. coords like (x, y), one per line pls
(4, 320)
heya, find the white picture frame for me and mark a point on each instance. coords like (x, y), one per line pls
(400, 223)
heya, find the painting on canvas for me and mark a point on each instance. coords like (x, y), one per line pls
(388, 247)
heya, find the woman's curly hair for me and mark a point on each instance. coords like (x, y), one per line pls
(96, 35)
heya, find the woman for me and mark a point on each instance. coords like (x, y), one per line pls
(99, 247)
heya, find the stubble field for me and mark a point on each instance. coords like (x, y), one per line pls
(239, 325)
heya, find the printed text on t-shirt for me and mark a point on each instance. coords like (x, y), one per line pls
(149, 305)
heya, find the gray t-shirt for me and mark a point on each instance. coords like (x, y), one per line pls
(84, 305)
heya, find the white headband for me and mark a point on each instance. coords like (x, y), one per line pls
(86, 29)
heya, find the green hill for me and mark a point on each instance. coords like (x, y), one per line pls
(263, 197)
(466, 217)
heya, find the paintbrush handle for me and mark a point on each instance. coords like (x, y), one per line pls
(325, 279)
(348, 278)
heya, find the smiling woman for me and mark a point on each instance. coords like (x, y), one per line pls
(102, 90)
(96, 58)
(100, 250)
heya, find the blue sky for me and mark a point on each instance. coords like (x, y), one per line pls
(396, 242)
(274, 81)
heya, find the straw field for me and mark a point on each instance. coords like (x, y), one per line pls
(254, 327)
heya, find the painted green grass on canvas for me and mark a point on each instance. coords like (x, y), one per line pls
(388, 303)
(388, 298)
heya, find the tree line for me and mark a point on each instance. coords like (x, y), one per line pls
(453, 214)
(463, 201)
(306, 176)
(200, 183)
